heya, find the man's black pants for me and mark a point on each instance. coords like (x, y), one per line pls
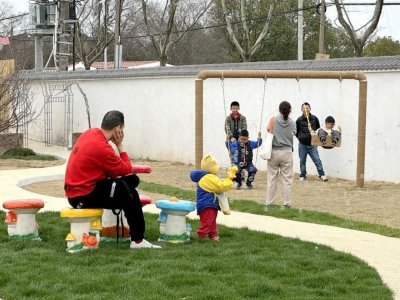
(122, 196)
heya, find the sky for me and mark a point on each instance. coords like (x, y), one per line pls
(389, 23)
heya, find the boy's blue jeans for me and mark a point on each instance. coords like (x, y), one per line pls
(313, 152)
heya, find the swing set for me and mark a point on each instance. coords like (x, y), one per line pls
(354, 75)
(261, 115)
(314, 134)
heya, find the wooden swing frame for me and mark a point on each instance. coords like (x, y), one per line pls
(354, 75)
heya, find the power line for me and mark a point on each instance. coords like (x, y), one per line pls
(367, 3)
(293, 11)
(14, 17)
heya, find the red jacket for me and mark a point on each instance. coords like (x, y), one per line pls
(93, 159)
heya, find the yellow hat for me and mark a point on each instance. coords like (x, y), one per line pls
(210, 164)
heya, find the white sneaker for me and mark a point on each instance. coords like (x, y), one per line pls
(323, 178)
(302, 178)
(143, 244)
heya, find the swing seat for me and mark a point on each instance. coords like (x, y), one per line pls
(328, 145)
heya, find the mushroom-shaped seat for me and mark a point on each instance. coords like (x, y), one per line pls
(141, 169)
(81, 213)
(144, 200)
(23, 204)
(80, 220)
(173, 219)
(22, 212)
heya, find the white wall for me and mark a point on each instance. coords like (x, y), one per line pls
(159, 117)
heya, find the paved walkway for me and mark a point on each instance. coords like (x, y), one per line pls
(380, 252)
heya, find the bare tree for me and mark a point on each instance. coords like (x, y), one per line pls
(10, 19)
(16, 109)
(164, 27)
(93, 32)
(359, 37)
(245, 48)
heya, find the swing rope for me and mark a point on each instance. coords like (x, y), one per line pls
(261, 117)
(340, 102)
(314, 133)
(301, 100)
(225, 116)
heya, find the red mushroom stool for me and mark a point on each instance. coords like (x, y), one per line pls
(109, 223)
(141, 169)
(85, 228)
(21, 219)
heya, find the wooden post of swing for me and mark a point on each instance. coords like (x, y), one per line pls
(198, 123)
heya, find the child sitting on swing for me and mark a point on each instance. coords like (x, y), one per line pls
(234, 123)
(243, 158)
(323, 132)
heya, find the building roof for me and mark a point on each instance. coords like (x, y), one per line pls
(363, 64)
(124, 64)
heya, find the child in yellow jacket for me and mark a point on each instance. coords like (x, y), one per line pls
(209, 185)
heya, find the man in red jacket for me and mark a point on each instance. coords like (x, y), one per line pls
(97, 177)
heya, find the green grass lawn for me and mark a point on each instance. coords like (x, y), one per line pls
(276, 211)
(243, 265)
(25, 154)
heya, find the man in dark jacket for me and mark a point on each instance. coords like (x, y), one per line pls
(305, 123)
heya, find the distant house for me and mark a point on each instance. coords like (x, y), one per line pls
(99, 65)
(4, 41)
(79, 67)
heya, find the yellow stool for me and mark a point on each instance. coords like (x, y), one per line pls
(85, 228)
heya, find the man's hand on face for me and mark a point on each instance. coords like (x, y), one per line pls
(118, 136)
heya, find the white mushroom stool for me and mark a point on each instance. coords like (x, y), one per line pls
(85, 228)
(109, 223)
(173, 227)
(110, 231)
(21, 218)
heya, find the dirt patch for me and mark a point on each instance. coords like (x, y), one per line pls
(376, 203)
(12, 164)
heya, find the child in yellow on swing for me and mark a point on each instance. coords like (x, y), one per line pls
(323, 132)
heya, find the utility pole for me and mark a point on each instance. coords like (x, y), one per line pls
(73, 37)
(300, 30)
(321, 28)
(38, 52)
(117, 38)
(321, 54)
(64, 42)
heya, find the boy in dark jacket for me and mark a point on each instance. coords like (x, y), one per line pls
(243, 158)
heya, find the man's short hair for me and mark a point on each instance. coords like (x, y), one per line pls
(112, 119)
(235, 103)
(306, 103)
(244, 133)
(330, 119)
